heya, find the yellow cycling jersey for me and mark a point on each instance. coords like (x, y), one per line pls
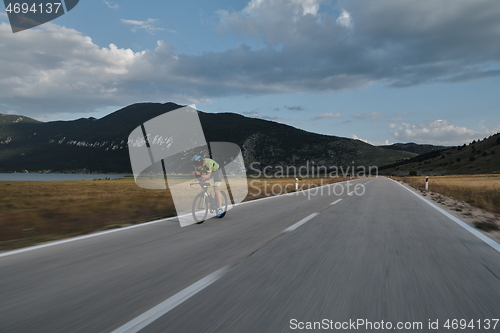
(210, 166)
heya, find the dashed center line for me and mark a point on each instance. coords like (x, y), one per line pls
(156, 312)
(161, 309)
(301, 222)
(336, 202)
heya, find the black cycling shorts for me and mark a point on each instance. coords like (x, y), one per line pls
(217, 176)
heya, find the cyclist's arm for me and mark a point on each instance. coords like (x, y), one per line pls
(207, 175)
(209, 164)
(201, 175)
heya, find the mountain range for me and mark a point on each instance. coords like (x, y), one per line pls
(414, 147)
(92, 145)
(477, 157)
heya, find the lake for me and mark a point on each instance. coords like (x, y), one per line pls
(53, 176)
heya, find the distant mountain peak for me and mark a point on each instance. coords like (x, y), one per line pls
(14, 118)
(413, 147)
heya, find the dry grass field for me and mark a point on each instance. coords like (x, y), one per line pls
(33, 212)
(482, 191)
(39, 211)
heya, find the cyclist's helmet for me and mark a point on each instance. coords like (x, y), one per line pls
(198, 160)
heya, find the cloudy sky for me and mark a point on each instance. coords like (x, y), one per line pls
(381, 71)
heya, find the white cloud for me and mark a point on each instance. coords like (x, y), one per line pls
(397, 42)
(366, 116)
(308, 6)
(277, 21)
(298, 7)
(438, 132)
(306, 49)
(64, 71)
(345, 19)
(111, 5)
(147, 25)
(328, 116)
(355, 137)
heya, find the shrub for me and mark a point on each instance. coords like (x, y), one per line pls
(412, 173)
(488, 225)
(459, 159)
(472, 158)
(485, 154)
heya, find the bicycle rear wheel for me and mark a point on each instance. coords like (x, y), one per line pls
(199, 208)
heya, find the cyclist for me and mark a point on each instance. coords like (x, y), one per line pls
(207, 168)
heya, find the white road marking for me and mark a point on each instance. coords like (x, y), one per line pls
(336, 202)
(83, 237)
(350, 194)
(156, 312)
(464, 225)
(301, 222)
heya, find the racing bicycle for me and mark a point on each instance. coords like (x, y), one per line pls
(204, 202)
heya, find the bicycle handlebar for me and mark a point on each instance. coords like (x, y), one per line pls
(201, 184)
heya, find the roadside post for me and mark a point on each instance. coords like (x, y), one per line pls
(427, 183)
(296, 184)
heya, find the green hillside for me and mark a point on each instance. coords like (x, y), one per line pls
(478, 157)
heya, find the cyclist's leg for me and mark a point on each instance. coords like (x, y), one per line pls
(218, 195)
(217, 183)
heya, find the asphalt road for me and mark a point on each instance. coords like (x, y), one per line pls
(384, 257)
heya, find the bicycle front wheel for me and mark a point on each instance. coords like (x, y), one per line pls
(199, 208)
